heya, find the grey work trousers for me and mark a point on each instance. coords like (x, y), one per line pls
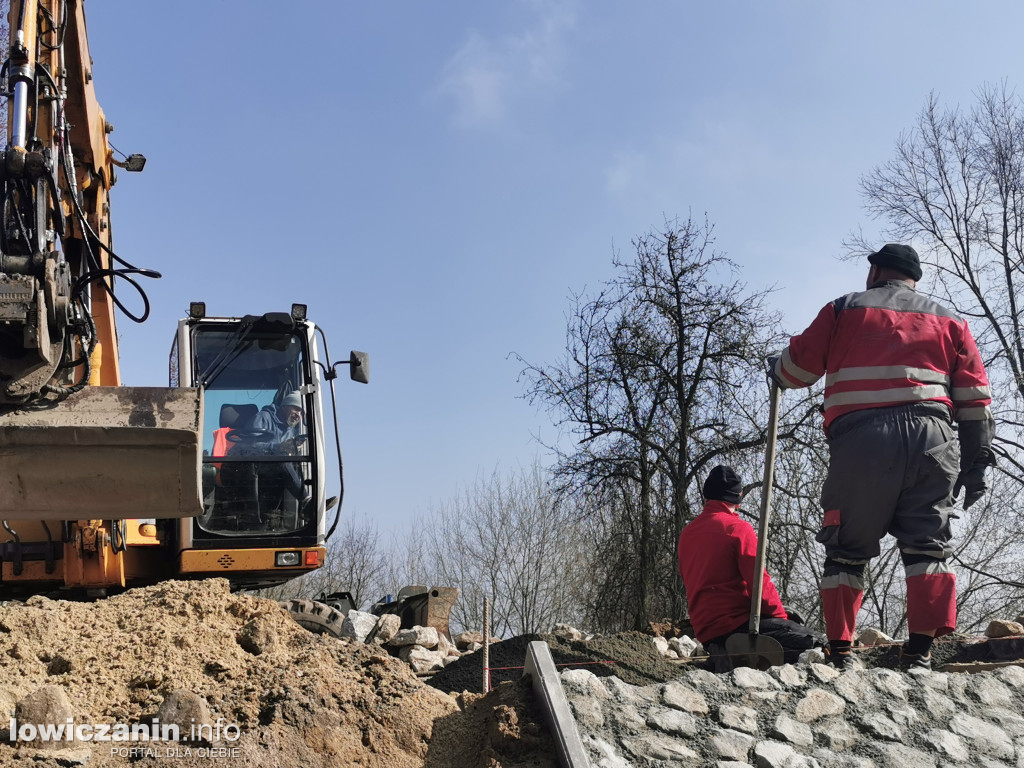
(891, 470)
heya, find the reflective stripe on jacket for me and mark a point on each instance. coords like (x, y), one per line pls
(885, 346)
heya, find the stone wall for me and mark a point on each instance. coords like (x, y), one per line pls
(802, 716)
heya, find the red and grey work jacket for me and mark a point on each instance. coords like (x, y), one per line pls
(717, 554)
(886, 346)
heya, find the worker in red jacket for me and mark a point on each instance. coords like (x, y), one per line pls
(899, 370)
(717, 551)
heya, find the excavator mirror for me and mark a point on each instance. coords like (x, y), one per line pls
(359, 367)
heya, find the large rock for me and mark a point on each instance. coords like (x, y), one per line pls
(789, 730)
(358, 625)
(446, 646)
(738, 718)
(425, 637)
(680, 696)
(185, 710)
(385, 629)
(1000, 628)
(731, 744)
(258, 635)
(672, 721)
(422, 660)
(875, 636)
(984, 735)
(684, 646)
(818, 704)
(565, 632)
(48, 705)
(465, 639)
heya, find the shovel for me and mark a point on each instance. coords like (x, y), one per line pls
(752, 649)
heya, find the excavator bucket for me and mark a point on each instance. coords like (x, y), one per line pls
(104, 453)
(422, 606)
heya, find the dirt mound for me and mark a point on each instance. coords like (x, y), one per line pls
(499, 730)
(296, 698)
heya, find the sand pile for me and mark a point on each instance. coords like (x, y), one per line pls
(295, 697)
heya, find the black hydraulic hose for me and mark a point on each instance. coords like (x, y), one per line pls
(330, 376)
(88, 345)
(20, 26)
(118, 536)
(17, 548)
(96, 270)
(99, 274)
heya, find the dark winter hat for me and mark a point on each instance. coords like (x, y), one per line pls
(723, 484)
(899, 257)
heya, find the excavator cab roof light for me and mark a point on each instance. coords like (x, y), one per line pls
(197, 310)
(299, 311)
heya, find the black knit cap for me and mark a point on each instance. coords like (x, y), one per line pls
(902, 258)
(723, 484)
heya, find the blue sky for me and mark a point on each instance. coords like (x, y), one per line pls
(433, 179)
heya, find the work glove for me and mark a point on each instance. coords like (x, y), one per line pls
(976, 456)
(795, 617)
(973, 481)
(769, 368)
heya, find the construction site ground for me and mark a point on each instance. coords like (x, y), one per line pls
(300, 699)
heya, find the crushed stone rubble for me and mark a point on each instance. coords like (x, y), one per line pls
(807, 715)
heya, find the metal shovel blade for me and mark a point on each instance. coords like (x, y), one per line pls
(104, 453)
(757, 651)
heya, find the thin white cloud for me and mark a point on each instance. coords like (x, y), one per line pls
(488, 77)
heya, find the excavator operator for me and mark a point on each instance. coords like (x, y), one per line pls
(275, 431)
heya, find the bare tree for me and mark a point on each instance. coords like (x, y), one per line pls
(657, 384)
(956, 189)
(508, 538)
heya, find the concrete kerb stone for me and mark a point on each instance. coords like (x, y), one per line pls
(548, 688)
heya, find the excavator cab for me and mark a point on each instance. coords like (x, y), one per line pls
(264, 462)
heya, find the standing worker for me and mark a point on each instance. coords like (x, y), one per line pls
(717, 554)
(899, 369)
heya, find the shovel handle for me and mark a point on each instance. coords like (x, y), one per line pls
(757, 588)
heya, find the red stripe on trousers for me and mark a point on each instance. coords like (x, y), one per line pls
(840, 605)
(931, 603)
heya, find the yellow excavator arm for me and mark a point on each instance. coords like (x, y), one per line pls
(79, 453)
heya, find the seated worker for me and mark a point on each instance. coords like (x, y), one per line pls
(275, 430)
(717, 553)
